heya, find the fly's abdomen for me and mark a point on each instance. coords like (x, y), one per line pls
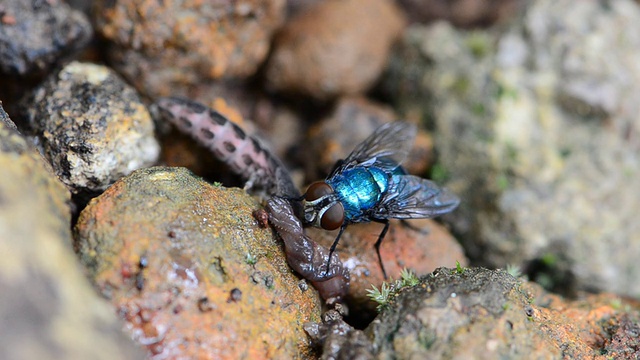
(359, 189)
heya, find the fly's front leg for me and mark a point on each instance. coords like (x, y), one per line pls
(333, 246)
(379, 241)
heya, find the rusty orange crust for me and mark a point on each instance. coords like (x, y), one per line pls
(167, 249)
(587, 327)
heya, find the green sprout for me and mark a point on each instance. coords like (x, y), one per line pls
(565, 152)
(459, 268)
(502, 182)
(616, 303)
(380, 296)
(479, 109)
(408, 278)
(439, 173)
(549, 259)
(251, 259)
(506, 92)
(478, 44)
(514, 270)
(389, 289)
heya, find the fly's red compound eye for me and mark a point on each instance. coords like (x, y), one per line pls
(317, 190)
(333, 217)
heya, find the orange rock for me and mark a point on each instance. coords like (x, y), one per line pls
(334, 47)
(352, 121)
(422, 246)
(476, 313)
(191, 271)
(166, 47)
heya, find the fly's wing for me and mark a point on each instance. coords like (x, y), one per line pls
(387, 147)
(412, 197)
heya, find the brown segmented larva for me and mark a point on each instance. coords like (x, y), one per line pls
(229, 143)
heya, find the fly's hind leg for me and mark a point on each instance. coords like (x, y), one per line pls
(379, 241)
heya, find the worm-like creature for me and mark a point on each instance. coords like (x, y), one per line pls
(266, 173)
(305, 256)
(229, 143)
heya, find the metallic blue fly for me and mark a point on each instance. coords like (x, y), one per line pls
(370, 185)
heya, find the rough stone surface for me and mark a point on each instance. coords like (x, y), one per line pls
(475, 313)
(538, 132)
(165, 48)
(350, 123)
(296, 6)
(191, 271)
(92, 127)
(48, 308)
(484, 314)
(461, 13)
(327, 50)
(82, 5)
(420, 245)
(36, 34)
(339, 340)
(5, 120)
(282, 128)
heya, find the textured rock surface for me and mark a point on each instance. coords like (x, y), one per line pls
(92, 127)
(461, 13)
(483, 314)
(35, 35)
(191, 271)
(5, 120)
(48, 308)
(422, 246)
(352, 121)
(164, 48)
(327, 50)
(538, 131)
(338, 339)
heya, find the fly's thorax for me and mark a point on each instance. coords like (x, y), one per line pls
(359, 189)
(322, 207)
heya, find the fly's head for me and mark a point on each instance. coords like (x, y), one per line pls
(322, 207)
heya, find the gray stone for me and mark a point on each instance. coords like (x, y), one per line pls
(538, 132)
(35, 35)
(91, 125)
(48, 308)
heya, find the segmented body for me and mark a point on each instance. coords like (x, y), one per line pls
(305, 256)
(263, 171)
(229, 143)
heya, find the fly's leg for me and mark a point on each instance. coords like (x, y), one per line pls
(333, 246)
(379, 241)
